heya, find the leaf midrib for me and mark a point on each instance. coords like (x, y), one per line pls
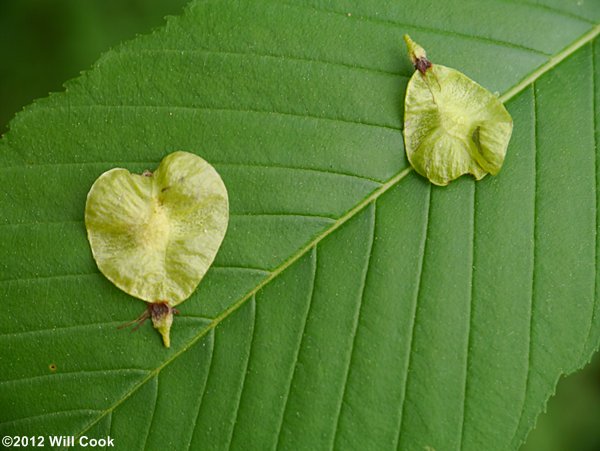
(390, 183)
(550, 64)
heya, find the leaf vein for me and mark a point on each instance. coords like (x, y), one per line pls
(320, 218)
(110, 423)
(533, 259)
(194, 109)
(202, 392)
(62, 375)
(52, 276)
(356, 321)
(470, 324)
(543, 7)
(418, 291)
(54, 330)
(243, 385)
(214, 163)
(298, 168)
(241, 268)
(314, 263)
(597, 169)
(438, 31)
(152, 412)
(183, 52)
(51, 414)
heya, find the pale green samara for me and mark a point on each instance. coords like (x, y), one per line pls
(155, 235)
(452, 125)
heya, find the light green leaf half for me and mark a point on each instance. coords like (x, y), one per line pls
(353, 305)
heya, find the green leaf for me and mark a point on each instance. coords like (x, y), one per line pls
(352, 305)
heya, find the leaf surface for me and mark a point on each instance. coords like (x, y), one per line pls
(352, 305)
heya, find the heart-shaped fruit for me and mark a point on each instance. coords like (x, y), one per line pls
(155, 235)
(452, 125)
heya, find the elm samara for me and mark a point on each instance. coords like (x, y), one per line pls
(156, 234)
(452, 125)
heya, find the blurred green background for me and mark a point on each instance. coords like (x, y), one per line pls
(43, 43)
(572, 420)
